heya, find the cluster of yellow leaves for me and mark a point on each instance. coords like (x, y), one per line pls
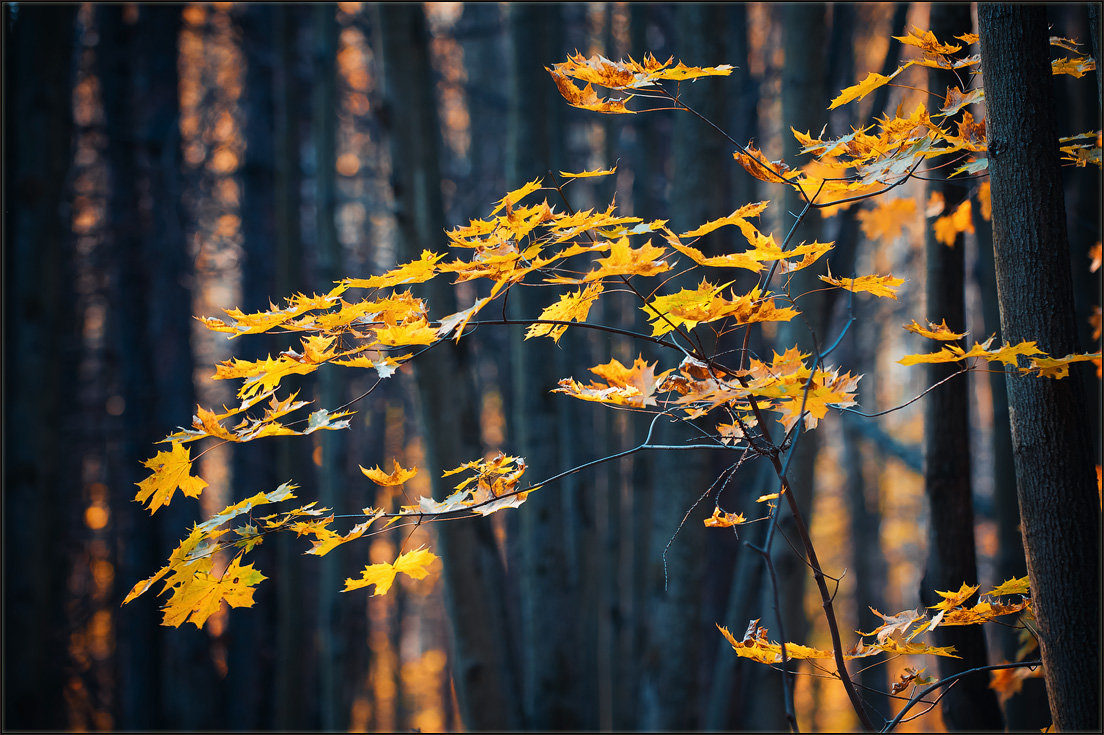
(1041, 364)
(491, 487)
(898, 633)
(619, 76)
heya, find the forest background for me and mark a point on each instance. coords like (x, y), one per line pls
(162, 162)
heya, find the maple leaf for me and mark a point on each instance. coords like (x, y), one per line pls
(895, 626)
(416, 271)
(1057, 367)
(1076, 67)
(397, 477)
(572, 307)
(887, 217)
(741, 214)
(927, 42)
(756, 164)
(329, 540)
(635, 386)
(956, 99)
(858, 91)
(1012, 586)
(171, 471)
(202, 596)
(624, 260)
(935, 331)
(719, 520)
(589, 174)
(587, 98)
(954, 599)
(417, 332)
(411, 563)
(877, 285)
(1008, 682)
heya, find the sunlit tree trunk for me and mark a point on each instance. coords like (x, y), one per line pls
(473, 574)
(39, 339)
(1060, 512)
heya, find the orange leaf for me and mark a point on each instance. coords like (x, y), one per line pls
(887, 217)
(877, 285)
(935, 331)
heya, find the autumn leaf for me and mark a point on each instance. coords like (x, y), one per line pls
(877, 285)
(416, 271)
(171, 471)
(626, 386)
(741, 214)
(1012, 586)
(1057, 367)
(956, 99)
(858, 91)
(927, 42)
(956, 598)
(589, 174)
(985, 202)
(624, 260)
(329, 540)
(587, 98)
(1076, 67)
(411, 563)
(203, 595)
(935, 331)
(572, 307)
(397, 477)
(724, 520)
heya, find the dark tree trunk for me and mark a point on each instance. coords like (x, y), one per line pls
(40, 339)
(952, 555)
(804, 96)
(1060, 513)
(553, 661)
(474, 577)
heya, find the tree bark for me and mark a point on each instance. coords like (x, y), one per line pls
(474, 577)
(1060, 512)
(952, 555)
(40, 332)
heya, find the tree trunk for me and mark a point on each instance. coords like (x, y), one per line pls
(952, 556)
(473, 574)
(804, 99)
(1060, 513)
(553, 661)
(40, 332)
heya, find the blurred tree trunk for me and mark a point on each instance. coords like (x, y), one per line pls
(1060, 514)
(254, 465)
(554, 664)
(153, 369)
(41, 338)
(952, 555)
(804, 99)
(673, 678)
(473, 574)
(292, 638)
(328, 269)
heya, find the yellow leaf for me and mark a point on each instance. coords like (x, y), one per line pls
(954, 599)
(589, 174)
(877, 285)
(416, 271)
(200, 597)
(171, 470)
(935, 331)
(397, 477)
(1057, 367)
(719, 520)
(1013, 586)
(927, 42)
(572, 307)
(411, 563)
(948, 226)
(858, 91)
